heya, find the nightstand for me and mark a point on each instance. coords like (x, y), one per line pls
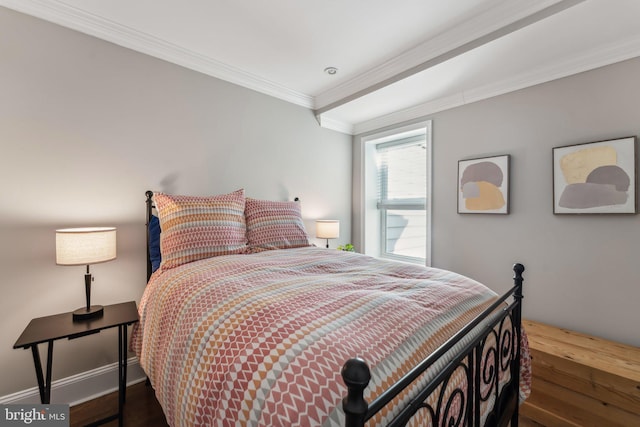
(50, 328)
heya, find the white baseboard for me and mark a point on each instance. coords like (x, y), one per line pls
(81, 387)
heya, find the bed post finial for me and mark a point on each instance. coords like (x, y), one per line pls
(518, 269)
(356, 375)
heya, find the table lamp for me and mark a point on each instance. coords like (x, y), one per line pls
(327, 229)
(86, 246)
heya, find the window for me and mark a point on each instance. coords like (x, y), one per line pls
(402, 178)
(396, 187)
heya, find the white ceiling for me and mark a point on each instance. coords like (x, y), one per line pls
(396, 60)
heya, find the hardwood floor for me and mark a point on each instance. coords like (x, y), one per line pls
(526, 422)
(143, 410)
(140, 410)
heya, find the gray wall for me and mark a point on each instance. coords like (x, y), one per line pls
(582, 271)
(86, 127)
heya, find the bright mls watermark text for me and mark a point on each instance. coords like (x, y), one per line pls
(56, 415)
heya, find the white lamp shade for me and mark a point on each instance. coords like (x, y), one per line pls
(327, 229)
(84, 246)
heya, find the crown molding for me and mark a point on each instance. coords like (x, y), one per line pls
(492, 24)
(93, 25)
(598, 57)
(483, 28)
(333, 124)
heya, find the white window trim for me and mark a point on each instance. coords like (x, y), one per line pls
(369, 239)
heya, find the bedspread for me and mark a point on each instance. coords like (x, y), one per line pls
(259, 339)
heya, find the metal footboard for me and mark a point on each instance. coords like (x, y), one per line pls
(491, 354)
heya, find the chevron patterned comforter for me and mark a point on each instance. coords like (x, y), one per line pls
(260, 339)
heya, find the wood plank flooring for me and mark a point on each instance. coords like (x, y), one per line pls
(140, 410)
(143, 410)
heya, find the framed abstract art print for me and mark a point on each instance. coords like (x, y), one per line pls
(483, 185)
(596, 177)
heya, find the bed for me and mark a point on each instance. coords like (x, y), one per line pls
(244, 322)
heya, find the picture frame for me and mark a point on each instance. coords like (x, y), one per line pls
(483, 185)
(596, 177)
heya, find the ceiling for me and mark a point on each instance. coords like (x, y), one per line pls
(396, 61)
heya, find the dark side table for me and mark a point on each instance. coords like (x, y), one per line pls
(50, 328)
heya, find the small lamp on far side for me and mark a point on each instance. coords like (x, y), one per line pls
(327, 229)
(85, 246)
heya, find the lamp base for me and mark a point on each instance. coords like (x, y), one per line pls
(84, 314)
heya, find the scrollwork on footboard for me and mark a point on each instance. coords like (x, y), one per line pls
(478, 386)
(496, 355)
(452, 406)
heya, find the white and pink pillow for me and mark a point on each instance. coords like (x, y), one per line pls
(274, 225)
(195, 227)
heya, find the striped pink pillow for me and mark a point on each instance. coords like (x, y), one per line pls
(195, 227)
(274, 225)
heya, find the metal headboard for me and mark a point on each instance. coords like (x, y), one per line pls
(150, 207)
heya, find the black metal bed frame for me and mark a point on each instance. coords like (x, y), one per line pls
(481, 365)
(493, 352)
